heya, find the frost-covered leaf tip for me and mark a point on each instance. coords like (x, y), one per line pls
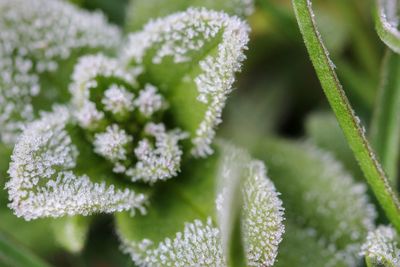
(192, 56)
(201, 241)
(37, 39)
(44, 180)
(382, 247)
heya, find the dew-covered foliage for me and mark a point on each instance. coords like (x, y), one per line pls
(125, 142)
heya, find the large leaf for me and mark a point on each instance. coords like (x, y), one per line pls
(387, 23)
(142, 11)
(188, 222)
(191, 57)
(39, 46)
(319, 194)
(50, 176)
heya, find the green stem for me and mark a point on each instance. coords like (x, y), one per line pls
(348, 121)
(385, 126)
(14, 255)
(386, 23)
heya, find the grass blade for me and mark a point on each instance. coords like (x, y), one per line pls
(14, 255)
(386, 23)
(347, 119)
(385, 127)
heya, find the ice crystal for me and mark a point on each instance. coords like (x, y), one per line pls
(198, 245)
(35, 37)
(191, 30)
(202, 244)
(112, 144)
(382, 247)
(118, 100)
(262, 216)
(148, 101)
(43, 180)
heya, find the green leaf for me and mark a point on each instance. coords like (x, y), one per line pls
(37, 57)
(13, 254)
(50, 176)
(319, 194)
(189, 218)
(194, 67)
(348, 121)
(387, 22)
(71, 232)
(385, 126)
(142, 11)
(302, 247)
(381, 247)
(325, 132)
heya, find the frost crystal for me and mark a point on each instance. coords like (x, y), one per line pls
(149, 101)
(191, 30)
(262, 216)
(34, 38)
(381, 247)
(118, 100)
(43, 182)
(112, 144)
(161, 162)
(198, 245)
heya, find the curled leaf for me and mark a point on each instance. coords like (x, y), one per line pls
(36, 57)
(140, 12)
(382, 247)
(387, 22)
(194, 67)
(44, 181)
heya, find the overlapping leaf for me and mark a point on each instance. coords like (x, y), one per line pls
(187, 228)
(320, 197)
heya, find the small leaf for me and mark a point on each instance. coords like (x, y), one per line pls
(194, 67)
(44, 179)
(387, 22)
(319, 194)
(37, 57)
(142, 11)
(71, 232)
(382, 247)
(189, 218)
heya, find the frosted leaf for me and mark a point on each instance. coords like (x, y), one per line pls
(320, 194)
(112, 144)
(43, 181)
(160, 162)
(199, 244)
(148, 101)
(262, 222)
(140, 148)
(118, 100)
(178, 39)
(382, 247)
(35, 38)
(262, 213)
(141, 11)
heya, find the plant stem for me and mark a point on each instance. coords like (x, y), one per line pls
(385, 126)
(14, 255)
(345, 115)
